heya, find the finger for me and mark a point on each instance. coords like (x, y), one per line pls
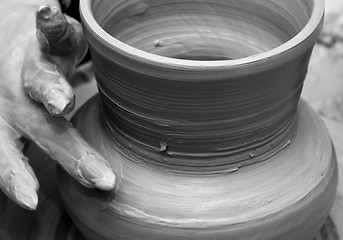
(60, 37)
(43, 81)
(57, 137)
(17, 179)
(61, 45)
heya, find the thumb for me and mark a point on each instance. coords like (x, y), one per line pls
(61, 38)
(51, 58)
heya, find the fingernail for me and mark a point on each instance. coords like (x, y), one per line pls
(107, 182)
(26, 197)
(58, 103)
(46, 13)
(97, 173)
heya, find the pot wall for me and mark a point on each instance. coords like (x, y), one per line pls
(195, 110)
(286, 197)
(198, 115)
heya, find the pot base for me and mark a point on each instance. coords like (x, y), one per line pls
(59, 226)
(96, 213)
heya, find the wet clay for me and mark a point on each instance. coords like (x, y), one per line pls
(198, 112)
(285, 197)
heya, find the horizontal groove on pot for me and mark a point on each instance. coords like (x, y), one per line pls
(221, 120)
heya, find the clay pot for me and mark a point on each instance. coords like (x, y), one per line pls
(198, 112)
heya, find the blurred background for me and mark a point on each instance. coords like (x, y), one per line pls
(323, 89)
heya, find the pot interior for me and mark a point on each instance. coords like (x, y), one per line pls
(203, 29)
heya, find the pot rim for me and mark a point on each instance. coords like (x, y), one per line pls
(308, 33)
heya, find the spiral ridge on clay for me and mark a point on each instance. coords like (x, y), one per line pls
(192, 116)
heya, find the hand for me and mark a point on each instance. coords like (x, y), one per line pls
(34, 94)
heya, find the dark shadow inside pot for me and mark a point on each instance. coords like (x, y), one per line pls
(203, 29)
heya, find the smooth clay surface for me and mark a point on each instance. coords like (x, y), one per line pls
(198, 114)
(285, 197)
